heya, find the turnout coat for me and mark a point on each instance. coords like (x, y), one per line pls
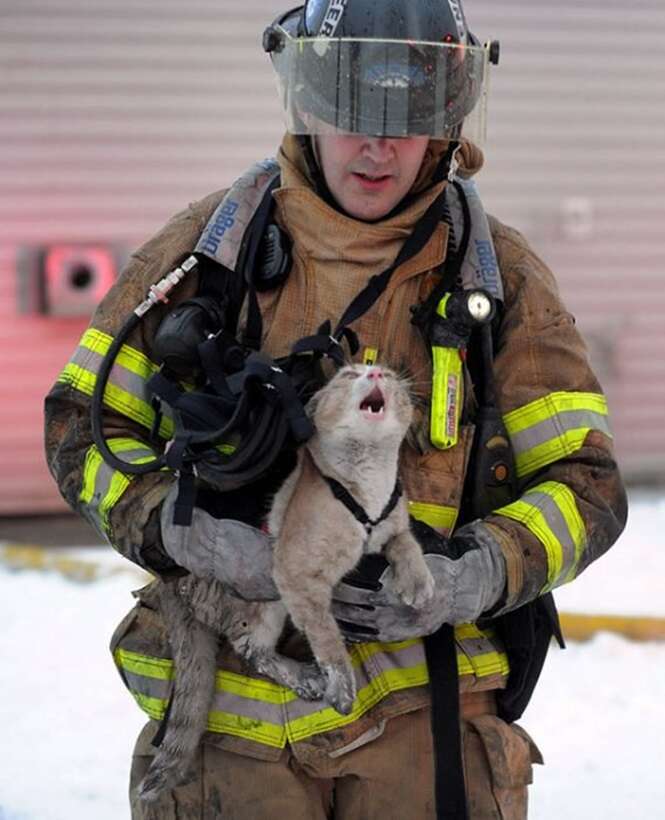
(571, 505)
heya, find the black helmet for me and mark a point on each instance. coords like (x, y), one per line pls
(428, 21)
(382, 67)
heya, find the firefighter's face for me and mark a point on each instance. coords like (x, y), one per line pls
(369, 176)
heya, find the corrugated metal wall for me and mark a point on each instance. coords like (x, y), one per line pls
(115, 114)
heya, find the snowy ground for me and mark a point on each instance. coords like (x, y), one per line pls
(68, 724)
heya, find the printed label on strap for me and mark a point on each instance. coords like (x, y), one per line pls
(222, 237)
(480, 267)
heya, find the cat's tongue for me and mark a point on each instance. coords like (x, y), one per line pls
(373, 405)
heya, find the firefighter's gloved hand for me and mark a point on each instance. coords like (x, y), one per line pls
(469, 574)
(231, 552)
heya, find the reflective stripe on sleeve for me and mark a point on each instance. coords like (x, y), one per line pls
(550, 512)
(102, 485)
(436, 515)
(265, 712)
(126, 390)
(554, 427)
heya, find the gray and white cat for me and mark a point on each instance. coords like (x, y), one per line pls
(360, 417)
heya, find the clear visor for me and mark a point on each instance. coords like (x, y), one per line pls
(389, 88)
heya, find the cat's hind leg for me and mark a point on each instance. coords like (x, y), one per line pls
(310, 612)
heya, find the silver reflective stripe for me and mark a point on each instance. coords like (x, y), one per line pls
(247, 707)
(103, 485)
(480, 267)
(552, 428)
(550, 512)
(222, 237)
(559, 527)
(265, 712)
(152, 687)
(132, 383)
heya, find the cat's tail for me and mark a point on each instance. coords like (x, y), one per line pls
(194, 648)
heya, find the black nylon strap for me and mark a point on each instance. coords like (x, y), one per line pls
(253, 333)
(344, 496)
(184, 505)
(441, 654)
(377, 284)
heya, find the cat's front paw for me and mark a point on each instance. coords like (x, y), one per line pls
(340, 687)
(415, 585)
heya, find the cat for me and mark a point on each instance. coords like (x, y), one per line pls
(360, 418)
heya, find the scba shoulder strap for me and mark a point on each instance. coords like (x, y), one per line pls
(479, 267)
(224, 237)
(235, 226)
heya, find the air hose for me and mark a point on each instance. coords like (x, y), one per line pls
(270, 420)
(157, 294)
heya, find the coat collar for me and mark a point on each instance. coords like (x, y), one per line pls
(325, 234)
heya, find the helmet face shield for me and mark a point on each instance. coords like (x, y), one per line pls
(386, 88)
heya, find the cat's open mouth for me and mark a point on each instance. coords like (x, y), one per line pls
(374, 404)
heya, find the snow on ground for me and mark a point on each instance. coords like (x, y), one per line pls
(68, 724)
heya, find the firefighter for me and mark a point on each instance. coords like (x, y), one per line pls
(381, 99)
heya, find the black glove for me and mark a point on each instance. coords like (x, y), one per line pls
(469, 574)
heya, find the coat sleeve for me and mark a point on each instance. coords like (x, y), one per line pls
(572, 504)
(123, 508)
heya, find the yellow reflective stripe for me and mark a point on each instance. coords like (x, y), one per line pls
(485, 663)
(119, 399)
(145, 665)
(554, 427)
(361, 652)
(153, 707)
(253, 688)
(538, 510)
(103, 486)
(93, 460)
(566, 444)
(550, 405)
(327, 718)
(391, 680)
(113, 483)
(116, 398)
(491, 663)
(259, 731)
(565, 501)
(128, 357)
(436, 515)
(535, 521)
(473, 631)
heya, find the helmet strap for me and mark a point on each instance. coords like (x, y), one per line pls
(315, 171)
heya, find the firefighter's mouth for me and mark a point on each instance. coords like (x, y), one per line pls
(374, 404)
(373, 181)
(372, 177)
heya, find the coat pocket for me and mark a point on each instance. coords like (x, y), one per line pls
(499, 760)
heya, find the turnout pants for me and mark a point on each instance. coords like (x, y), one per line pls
(389, 778)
